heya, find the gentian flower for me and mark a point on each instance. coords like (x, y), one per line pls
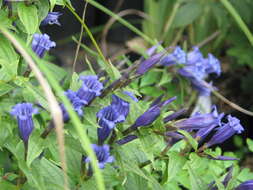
(126, 139)
(51, 18)
(90, 88)
(149, 116)
(247, 185)
(200, 121)
(76, 102)
(174, 115)
(147, 64)
(178, 56)
(102, 154)
(23, 113)
(42, 43)
(213, 65)
(225, 131)
(108, 117)
(121, 105)
(222, 158)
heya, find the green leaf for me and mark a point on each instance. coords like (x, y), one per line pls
(31, 92)
(35, 147)
(5, 88)
(176, 163)
(51, 173)
(135, 182)
(43, 9)
(8, 59)
(52, 4)
(7, 185)
(58, 72)
(190, 139)
(250, 144)
(75, 82)
(8, 70)
(29, 17)
(187, 13)
(196, 182)
(5, 21)
(150, 78)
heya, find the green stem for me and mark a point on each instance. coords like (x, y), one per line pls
(238, 19)
(170, 20)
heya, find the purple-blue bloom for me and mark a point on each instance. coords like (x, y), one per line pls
(42, 43)
(23, 113)
(247, 185)
(76, 102)
(126, 139)
(178, 56)
(225, 131)
(52, 18)
(90, 88)
(102, 154)
(174, 115)
(213, 65)
(200, 121)
(151, 114)
(108, 117)
(122, 106)
(147, 64)
(195, 57)
(223, 158)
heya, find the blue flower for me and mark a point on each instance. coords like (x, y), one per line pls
(90, 88)
(247, 185)
(178, 56)
(122, 106)
(225, 131)
(102, 154)
(51, 18)
(76, 102)
(108, 117)
(213, 65)
(23, 113)
(126, 139)
(174, 115)
(195, 57)
(42, 43)
(200, 121)
(147, 64)
(222, 158)
(201, 87)
(149, 116)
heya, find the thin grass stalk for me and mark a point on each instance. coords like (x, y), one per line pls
(53, 104)
(238, 19)
(84, 139)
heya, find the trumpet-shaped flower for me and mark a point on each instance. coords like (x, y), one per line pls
(102, 154)
(90, 88)
(225, 131)
(51, 18)
(42, 43)
(23, 113)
